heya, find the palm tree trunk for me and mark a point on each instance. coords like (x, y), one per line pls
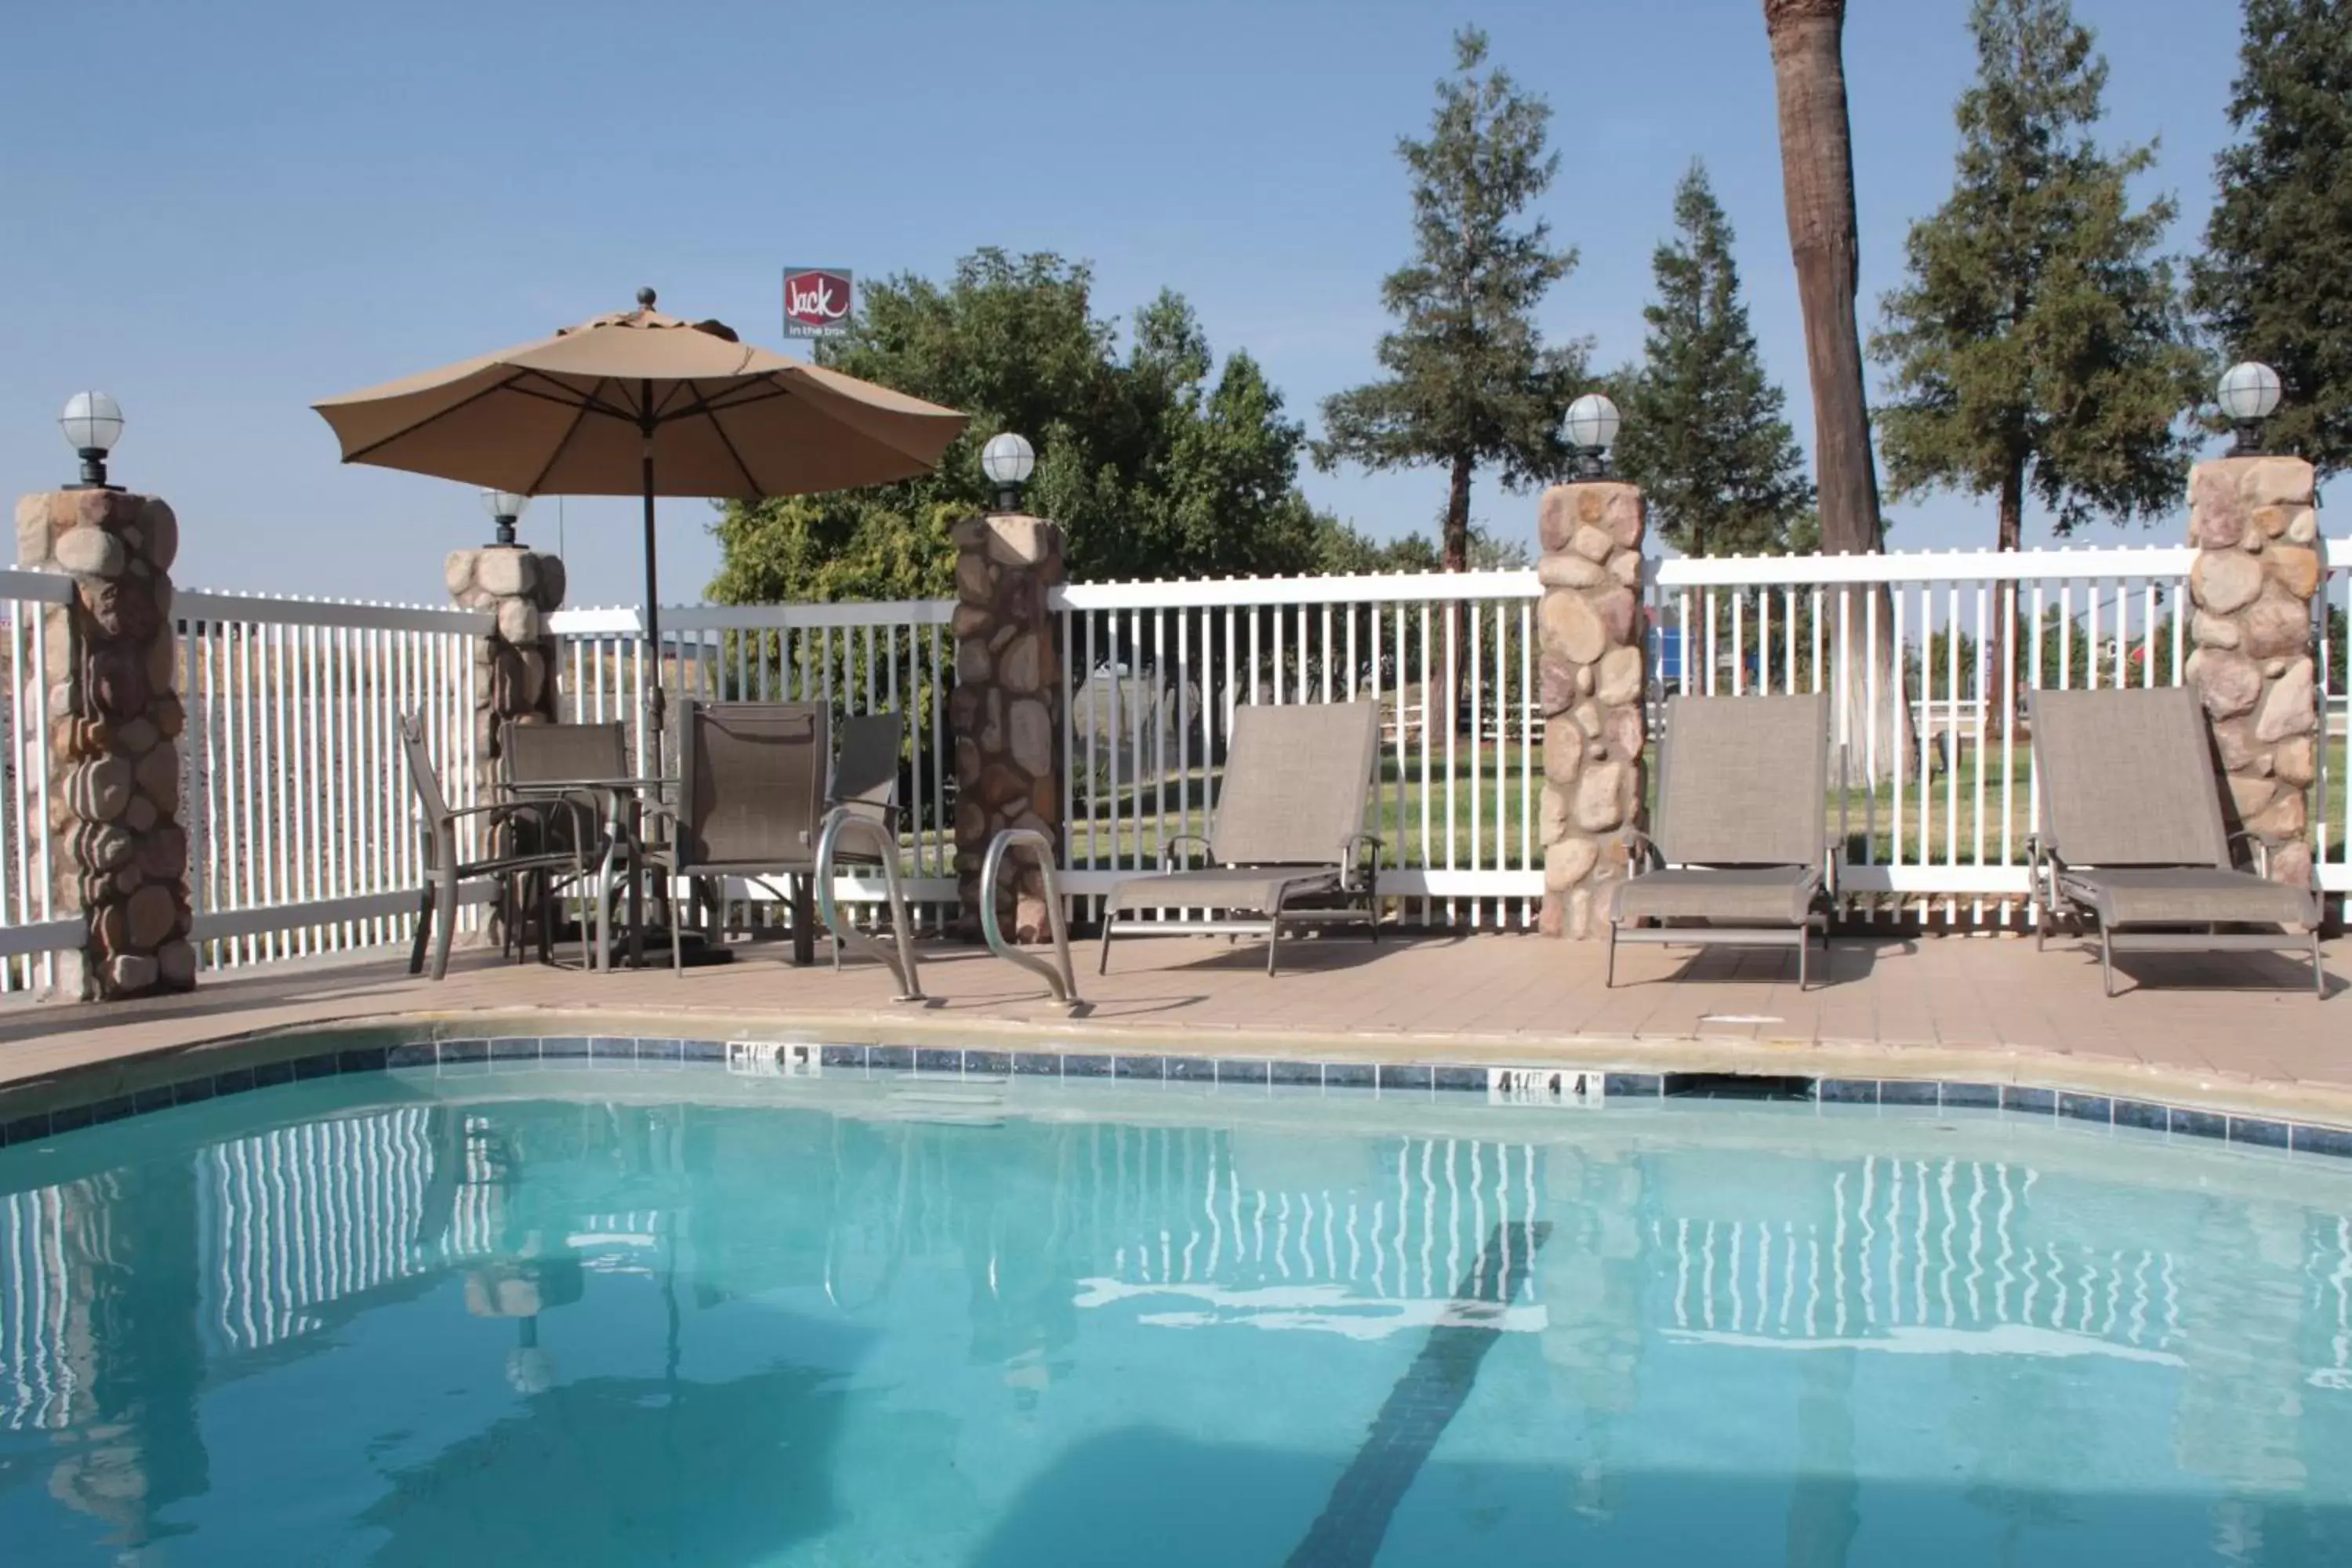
(1817, 179)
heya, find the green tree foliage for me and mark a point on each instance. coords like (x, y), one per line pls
(1343, 551)
(2277, 272)
(1705, 434)
(2037, 343)
(1159, 463)
(1469, 380)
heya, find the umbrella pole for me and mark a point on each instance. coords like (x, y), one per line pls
(653, 595)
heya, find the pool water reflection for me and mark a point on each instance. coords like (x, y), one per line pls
(633, 1317)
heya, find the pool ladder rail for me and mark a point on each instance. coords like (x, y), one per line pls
(1057, 974)
(898, 953)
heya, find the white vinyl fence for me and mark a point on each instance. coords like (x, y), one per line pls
(1926, 656)
(30, 932)
(303, 826)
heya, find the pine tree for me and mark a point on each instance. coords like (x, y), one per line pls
(1704, 434)
(2037, 344)
(1470, 380)
(2277, 274)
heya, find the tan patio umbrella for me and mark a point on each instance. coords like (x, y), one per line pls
(642, 404)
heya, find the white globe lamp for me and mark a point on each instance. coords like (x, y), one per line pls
(92, 423)
(1591, 427)
(1008, 460)
(2249, 393)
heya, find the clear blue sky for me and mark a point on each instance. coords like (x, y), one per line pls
(222, 211)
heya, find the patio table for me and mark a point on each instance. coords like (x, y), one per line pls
(621, 802)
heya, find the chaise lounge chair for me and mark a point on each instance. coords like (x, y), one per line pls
(1742, 830)
(2130, 833)
(1287, 833)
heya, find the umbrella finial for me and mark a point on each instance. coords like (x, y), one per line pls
(645, 298)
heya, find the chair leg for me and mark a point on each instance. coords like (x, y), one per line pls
(1102, 963)
(2107, 959)
(1273, 943)
(804, 920)
(2318, 975)
(1804, 954)
(1609, 975)
(424, 930)
(445, 919)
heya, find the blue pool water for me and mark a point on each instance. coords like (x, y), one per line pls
(627, 1316)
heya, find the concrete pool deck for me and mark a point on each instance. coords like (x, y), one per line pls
(2228, 1031)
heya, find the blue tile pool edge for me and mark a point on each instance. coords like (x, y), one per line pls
(379, 1049)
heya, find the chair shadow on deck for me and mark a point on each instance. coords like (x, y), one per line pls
(1848, 960)
(2159, 974)
(1301, 954)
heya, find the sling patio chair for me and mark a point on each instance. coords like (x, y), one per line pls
(1287, 839)
(1742, 840)
(866, 783)
(2130, 833)
(539, 760)
(525, 863)
(752, 793)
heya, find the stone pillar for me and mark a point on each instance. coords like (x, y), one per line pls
(1589, 685)
(2258, 564)
(1006, 711)
(114, 714)
(515, 667)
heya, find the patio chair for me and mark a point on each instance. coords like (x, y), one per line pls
(865, 773)
(445, 872)
(557, 753)
(2130, 833)
(1288, 834)
(1742, 840)
(751, 793)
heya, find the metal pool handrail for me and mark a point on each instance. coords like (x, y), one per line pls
(1057, 974)
(901, 957)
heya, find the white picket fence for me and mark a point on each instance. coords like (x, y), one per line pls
(1938, 831)
(303, 829)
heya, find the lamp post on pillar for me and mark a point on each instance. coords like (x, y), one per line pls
(111, 699)
(1005, 715)
(1590, 677)
(92, 423)
(516, 670)
(1592, 425)
(2255, 524)
(2250, 394)
(506, 509)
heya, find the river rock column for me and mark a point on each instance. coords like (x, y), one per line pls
(515, 667)
(1006, 711)
(115, 718)
(1589, 688)
(2256, 531)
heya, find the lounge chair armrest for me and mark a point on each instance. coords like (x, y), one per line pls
(893, 814)
(1350, 862)
(1169, 859)
(1644, 848)
(2261, 851)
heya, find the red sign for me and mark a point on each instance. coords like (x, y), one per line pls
(816, 302)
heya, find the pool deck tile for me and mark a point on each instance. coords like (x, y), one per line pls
(2237, 1033)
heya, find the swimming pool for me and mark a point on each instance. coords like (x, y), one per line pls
(559, 1311)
